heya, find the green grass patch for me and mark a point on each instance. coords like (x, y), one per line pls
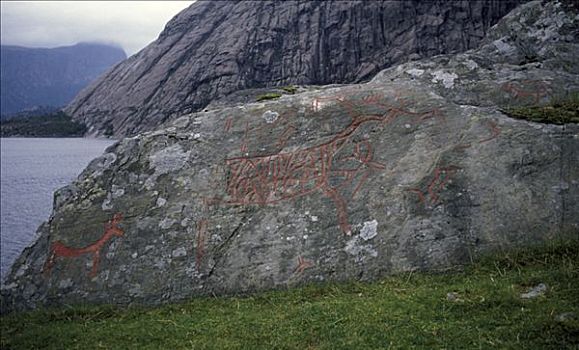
(405, 311)
(290, 89)
(268, 96)
(559, 111)
(57, 124)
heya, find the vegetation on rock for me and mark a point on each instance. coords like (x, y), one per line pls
(268, 96)
(57, 124)
(560, 111)
(480, 307)
(290, 89)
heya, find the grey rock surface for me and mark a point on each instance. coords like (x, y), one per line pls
(567, 317)
(215, 48)
(417, 169)
(535, 292)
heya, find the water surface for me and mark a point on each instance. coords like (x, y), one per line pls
(31, 170)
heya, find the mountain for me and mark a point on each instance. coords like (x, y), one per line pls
(422, 168)
(214, 48)
(32, 77)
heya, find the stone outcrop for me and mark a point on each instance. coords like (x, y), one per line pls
(417, 169)
(214, 48)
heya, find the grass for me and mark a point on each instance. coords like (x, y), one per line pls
(560, 111)
(290, 89)
(401, 312)
(268, 96)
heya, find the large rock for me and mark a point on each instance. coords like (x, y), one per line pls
(416, 170)
(214, 48)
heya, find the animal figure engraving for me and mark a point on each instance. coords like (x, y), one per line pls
(495, 131)
(303, 264)
(228, 124)
(327, 168)
(58, 249)
(200, 240)
(531, 90)
(430, 195)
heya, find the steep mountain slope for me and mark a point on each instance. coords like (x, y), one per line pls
(417, 169)
(213, 48)
(32, 77)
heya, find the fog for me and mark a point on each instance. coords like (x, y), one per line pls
(129, 24)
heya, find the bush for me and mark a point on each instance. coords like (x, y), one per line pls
(268, 96)
(559, 111)
(290, 89)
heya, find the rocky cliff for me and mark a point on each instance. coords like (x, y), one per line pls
(214, 48)
(32, 77)
(417, 169)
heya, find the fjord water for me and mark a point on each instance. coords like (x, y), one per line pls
(31, 170)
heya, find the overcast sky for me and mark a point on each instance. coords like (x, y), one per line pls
(130, 24)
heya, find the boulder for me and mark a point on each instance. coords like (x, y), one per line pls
(418, 169)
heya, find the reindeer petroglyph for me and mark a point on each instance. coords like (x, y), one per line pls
(58, 249)
(527, 90)
(340, 164)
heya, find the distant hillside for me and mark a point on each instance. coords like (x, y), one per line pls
(33, 77)
(56, 124)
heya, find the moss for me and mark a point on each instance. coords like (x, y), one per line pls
(290, 89)
(559, 111)
(268, 96)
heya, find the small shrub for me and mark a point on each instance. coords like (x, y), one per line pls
(268, 96)
(290, 89)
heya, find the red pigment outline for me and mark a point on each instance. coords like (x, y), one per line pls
(58, 249)
(495, 131)
(200, 240)
(517, 91)
(433, 190)
(228, 124)
(303, 264)
(273, 178)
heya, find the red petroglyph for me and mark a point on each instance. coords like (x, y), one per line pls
(430, 195)
(303, 264)
(495, 131)
(463, 146)
(278, 177)
(273, 178)
(320, 102)
(244, 146)
(228, 124)
(58, 249)
(531, 90)
(200, 240)
(282, 121)
(285, 136)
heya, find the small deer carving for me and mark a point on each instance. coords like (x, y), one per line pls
(527, 89)
(58, 249)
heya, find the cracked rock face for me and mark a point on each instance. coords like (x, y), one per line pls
(212, 49)
(406, 172)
